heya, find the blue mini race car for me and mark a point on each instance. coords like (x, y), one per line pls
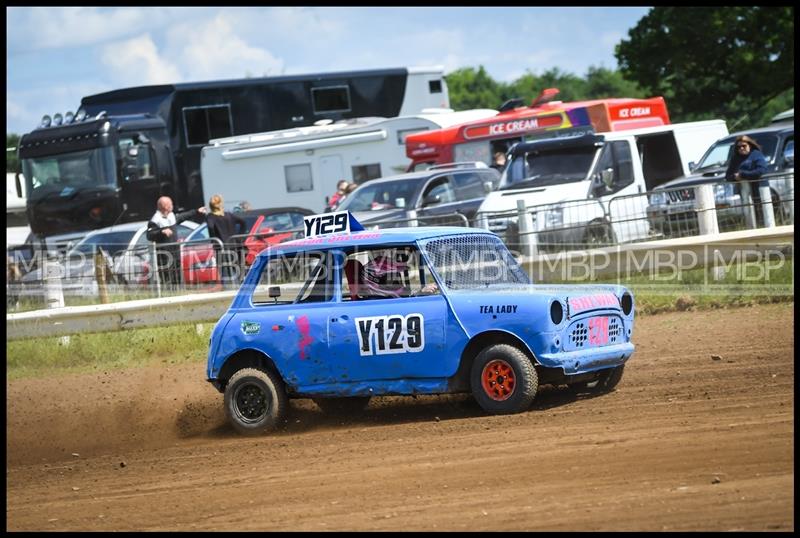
(340, 317)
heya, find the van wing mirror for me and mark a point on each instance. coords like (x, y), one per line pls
(692, 164)
(607, 177)
(431, 199)
(488, 187)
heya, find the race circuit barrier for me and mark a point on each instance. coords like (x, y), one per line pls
(208, 307)
(651, 257)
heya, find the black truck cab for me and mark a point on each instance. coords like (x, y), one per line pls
(78, 174)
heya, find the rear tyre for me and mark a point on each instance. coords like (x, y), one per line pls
(255, 401)
(342, 406)
(503, 380)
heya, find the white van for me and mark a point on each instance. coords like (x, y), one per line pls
(301, 167)
(582, 190)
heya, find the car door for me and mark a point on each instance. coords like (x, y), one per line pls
(438, 202)
(470, 191)
(621, 197)
(290, 328)
(386, 338)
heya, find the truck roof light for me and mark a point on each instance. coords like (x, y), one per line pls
(46, 121)
(69, 117)
(57, 118)
(80, 115)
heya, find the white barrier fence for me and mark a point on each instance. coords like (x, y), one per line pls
(208, 307)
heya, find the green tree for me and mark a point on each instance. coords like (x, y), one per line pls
(12, 161)
(470, 88)
(708, 62)
(602, 83)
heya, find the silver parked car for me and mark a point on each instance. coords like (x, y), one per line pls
(671, 209)
(127, 254)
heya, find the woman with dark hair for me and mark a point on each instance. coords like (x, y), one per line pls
(748, 164)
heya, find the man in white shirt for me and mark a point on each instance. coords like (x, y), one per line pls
(161, 230)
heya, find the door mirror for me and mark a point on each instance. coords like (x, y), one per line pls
(274, 292)
(692, 164)
(788, 157)
(607, 177)
(431, 199)
(488, 187)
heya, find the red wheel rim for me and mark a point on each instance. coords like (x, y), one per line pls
(498, 380)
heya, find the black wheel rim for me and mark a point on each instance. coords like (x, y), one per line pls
(250, 402)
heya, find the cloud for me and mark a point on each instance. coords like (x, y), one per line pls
(42, 28)
(136, 62)
(213, 50)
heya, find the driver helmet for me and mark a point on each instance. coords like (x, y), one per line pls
(384, 278)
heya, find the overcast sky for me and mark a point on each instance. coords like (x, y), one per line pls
(57, 55)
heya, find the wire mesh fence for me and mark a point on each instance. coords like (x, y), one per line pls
(156, 270)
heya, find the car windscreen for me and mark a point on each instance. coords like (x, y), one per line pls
(469, 261)
(538, 168)
(382, 195)
(112, 242)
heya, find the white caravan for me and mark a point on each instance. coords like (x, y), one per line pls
(17, 229)
(300, 167)
(584, 190)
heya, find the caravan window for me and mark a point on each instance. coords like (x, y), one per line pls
(204, 123)
(298, 178)
(366, 172)
(403, 133)
(331, 99)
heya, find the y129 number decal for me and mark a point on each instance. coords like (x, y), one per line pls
(380, 335)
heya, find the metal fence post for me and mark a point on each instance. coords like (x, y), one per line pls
(526, 236)
(766, 206)
(154, 272)
(788, 198)
(747, 205)
(706, 209)
(482, 221)
(412, 217)
(53, 292)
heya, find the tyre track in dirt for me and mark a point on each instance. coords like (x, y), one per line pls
(686, 442)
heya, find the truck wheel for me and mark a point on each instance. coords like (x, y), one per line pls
(610, 379)
(255, 401)
(342, 406)
(503, 380)
(599, 235)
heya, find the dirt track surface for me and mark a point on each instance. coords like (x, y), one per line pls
(686, 442)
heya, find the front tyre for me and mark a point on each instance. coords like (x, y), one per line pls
(610, 379)
(503, 380)
(255, 401)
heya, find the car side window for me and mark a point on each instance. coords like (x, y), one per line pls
(386, 273)
(469, 186)
(440, 188)
(788, 153)
(304, 277)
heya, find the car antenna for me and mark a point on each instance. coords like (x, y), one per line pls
(124, 209)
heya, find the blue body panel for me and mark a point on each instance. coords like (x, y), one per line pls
(332, 348)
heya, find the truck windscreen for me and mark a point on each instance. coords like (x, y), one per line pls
(67, 173)
(540, 168)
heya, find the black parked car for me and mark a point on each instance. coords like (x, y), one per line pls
(671, 209)
(437, 195)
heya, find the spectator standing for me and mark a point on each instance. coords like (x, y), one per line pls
(499, 161)
(749, 164)
(341, 192)
(222, 226)
(161, 229)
